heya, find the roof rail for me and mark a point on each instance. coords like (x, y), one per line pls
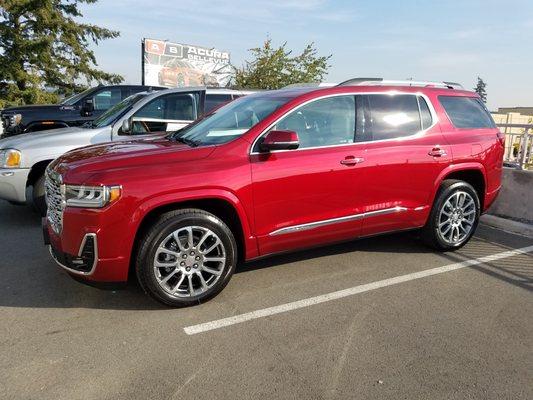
(383, 82)
(309, 85)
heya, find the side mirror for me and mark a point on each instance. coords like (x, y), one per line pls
(126, 125)
(88, 107)
(280, 140)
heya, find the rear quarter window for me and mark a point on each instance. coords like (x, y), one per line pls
(467, 112)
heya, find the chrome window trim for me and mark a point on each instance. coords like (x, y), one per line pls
(80, 251)
(325, 222)
(434, 118)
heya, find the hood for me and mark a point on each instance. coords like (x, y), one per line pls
(80, 164)
(35, 108)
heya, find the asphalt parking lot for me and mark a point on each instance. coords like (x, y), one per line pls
(463, 330)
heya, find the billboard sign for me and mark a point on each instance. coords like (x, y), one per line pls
(181, 65)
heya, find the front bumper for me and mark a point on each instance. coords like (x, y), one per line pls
(13, 184)
(92, 245)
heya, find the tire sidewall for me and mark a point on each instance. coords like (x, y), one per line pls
(154, 239)
(441, 199)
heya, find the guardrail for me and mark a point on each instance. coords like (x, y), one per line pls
(518, 145)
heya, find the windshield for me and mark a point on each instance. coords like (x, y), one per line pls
(231, 121)
(70, 101)
(117, 111)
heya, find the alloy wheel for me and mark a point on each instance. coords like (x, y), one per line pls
(189, 261)
(457, 217)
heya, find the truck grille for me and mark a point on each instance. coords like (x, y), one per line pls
(54, 200)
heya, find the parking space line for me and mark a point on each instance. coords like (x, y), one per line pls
(266, 312)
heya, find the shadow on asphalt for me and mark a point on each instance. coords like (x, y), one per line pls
(31, 279)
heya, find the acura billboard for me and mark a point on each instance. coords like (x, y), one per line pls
(180, 65)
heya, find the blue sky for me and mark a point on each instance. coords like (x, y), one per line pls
(425, 39)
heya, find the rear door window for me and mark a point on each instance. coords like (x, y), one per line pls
(467, 112)
(393, 116)
(107, 98)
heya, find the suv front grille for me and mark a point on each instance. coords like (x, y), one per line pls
(54, 200)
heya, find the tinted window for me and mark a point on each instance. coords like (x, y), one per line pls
(213, 101)
(173, 107)
(427, 120)
(324, 122)
(466, 112)
(393, 116)
(107, 98)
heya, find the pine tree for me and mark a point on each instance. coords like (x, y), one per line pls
(43, 45)
(274, 68)
(481, 89)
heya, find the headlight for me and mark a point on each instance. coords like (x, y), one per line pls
(91, 196)
(15, 119)
(10, 158)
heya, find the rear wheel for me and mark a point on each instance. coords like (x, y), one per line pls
(454, 216)
(187, 257)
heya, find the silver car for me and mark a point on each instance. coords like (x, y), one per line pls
(23, 158)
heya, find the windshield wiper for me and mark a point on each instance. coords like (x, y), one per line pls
(188, 142)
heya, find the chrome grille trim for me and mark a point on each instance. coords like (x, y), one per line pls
(55, 200)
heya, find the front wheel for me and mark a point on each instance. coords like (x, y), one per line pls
(187, 257)
(454, 216)
(38, 196)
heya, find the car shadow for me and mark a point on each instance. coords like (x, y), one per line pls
(30, 279)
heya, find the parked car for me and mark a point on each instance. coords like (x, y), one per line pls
(23, 158)
(274, 172)
(181, 73)
(73, 111)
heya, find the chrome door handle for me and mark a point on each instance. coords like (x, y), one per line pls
(352, 160)
(437, 152)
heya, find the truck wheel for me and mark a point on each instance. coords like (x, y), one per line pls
(454, 216)
(188, 256)
(38, 200)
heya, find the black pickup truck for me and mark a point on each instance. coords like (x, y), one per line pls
(73, 111)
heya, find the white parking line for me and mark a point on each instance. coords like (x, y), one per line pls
(265, 312)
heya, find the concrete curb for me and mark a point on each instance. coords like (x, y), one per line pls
(508, 225)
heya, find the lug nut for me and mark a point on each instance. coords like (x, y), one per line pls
(188, 269)
(192, 253)
(195, 265)
(197, 258)
(184, 256)
(182, 263)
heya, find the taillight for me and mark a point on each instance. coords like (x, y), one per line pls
(501, 138)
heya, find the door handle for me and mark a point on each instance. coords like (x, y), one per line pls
(351, 160)
(437, 152)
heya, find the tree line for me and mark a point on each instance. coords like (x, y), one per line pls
(44, 54)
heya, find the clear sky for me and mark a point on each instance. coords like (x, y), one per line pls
(454, 40)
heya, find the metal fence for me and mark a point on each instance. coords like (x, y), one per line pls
(518, 145)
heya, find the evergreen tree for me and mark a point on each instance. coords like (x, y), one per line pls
(43, 45)
(481, 89)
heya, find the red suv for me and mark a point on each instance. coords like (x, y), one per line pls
(273, 172)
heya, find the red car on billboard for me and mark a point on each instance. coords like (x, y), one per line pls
(181, 73)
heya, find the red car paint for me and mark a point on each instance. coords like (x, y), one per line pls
(276, 190)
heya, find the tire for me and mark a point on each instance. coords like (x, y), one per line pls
(38, 201)
(451, 232)
(186, 275)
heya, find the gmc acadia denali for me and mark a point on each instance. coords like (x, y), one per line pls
(272, 172)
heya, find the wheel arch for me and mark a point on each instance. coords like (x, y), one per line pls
(471, 173)
(51, 125)
(226, 207)
(36, 171)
